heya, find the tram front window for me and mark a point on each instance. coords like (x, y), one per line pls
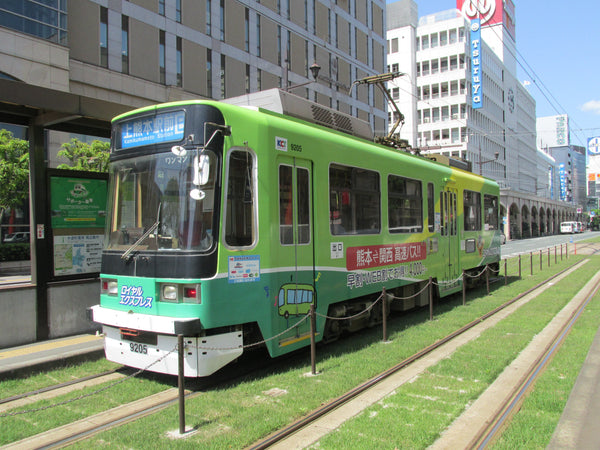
(161, 201)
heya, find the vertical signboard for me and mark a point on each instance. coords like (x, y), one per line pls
(77, 218)
(476, 94)
(563, 181)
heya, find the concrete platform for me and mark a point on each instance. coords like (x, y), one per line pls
(27, 358)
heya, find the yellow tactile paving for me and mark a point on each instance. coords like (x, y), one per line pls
(47, 346)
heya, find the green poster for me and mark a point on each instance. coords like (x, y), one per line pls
(78, 202)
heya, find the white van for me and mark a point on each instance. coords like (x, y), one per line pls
(568, 227)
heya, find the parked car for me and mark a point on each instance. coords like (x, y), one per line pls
(22, 236)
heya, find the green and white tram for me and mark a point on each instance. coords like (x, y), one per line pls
(217, 211)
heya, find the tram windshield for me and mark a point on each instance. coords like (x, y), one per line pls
(163, 202)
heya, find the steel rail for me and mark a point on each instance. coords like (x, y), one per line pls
(344, 398)
(56, 386)
(512, 405)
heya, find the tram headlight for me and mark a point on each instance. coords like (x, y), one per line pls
(169, 292)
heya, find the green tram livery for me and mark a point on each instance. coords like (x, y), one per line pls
(226, 223)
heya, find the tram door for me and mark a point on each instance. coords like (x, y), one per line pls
(296, 236)
(450, 238)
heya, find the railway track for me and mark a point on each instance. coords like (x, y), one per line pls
(56, 390)
(510, 389)
(84, 428)
(310, 428)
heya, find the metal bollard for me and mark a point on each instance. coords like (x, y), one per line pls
(313, 345)
(531, 262)
(430, 298)
(181, 383)
(464, 287)
(384, 312)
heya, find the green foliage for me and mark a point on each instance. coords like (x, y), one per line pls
(14, 252)
(14, 170)
(87, 157)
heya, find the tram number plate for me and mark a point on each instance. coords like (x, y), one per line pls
(138, 348)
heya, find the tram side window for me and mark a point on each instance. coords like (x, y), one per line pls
(354, 200)
(286, 204)
(472, 210)
(490, 207)
(405, 205)
(240, 218)
(430, 207)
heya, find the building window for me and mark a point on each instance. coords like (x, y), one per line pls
(247, 29)
(223, 90)
(43, 19)
(329, 26)
(124, 44)
(395, 67)
(209, 73)
(395, 45)
(222, 23)
(454, 87)
(259, 79)
(103, 37)
(279, 46)
(452, 36)
(425, 42)
(247, 80)
(179, 62)
(178, 10)
(453, 62)
(161, 57)
(161, 7)
(443, 38)
(208, 18)
(444, 64)
(258, 36)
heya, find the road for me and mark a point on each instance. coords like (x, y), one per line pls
(516, 247)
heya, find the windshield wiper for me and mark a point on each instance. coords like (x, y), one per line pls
(127, 253)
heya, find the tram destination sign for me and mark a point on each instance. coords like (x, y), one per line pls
(146, 130)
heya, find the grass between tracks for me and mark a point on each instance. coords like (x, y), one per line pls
(242, 413)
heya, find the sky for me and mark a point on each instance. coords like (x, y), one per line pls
(558, 53)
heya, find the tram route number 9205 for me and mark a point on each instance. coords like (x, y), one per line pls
(138, 348)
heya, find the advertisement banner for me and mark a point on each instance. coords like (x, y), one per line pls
(78, 202)
(593, 145)
(476, 77)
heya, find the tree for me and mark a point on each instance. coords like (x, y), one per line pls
(14, 171)
(87, 157)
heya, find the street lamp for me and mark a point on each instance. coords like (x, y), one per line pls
(314, 70)
(481, 163)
